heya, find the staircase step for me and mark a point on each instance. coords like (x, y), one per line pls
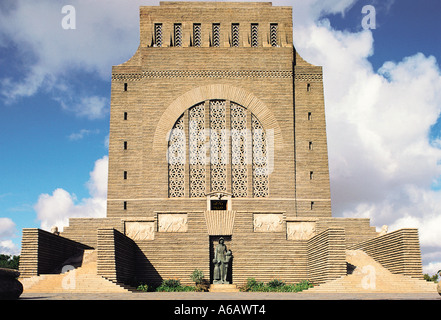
(371, 276)
(81, 279)
(223, 288)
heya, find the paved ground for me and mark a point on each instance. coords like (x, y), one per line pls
(229, 296)
(219, 305)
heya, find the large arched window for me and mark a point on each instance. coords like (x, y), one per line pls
(218, 146)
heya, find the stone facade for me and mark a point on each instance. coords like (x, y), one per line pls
(217, 129)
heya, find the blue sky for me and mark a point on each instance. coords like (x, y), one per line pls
(382, 95)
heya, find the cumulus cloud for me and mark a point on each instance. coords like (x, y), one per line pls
(52, 56)
(55, 209)
(7, 227)
(91, 107)
(7, 230)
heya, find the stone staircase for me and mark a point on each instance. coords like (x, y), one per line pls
(223, 288)
(79, 280)
(369, 276)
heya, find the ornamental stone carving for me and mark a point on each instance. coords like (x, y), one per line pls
(172, 222)
(300, 230)
(268, 222)
(140, 230)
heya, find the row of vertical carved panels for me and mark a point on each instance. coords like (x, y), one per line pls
(248, 140)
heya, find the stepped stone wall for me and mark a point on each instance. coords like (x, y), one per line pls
(327, 255)
(115, 256)
(44, 252)
(84, 230)
(355, 229)
(398, 251)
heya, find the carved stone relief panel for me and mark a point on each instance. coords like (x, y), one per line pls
(172, 222)
(140, 230)
(300, 230)
(268, 222)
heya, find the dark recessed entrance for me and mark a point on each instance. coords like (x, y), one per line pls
(214, 241)
(218, 204)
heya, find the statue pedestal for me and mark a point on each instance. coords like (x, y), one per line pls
(223, 288)
(220, 282)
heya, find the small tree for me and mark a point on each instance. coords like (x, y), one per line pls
(198, 277)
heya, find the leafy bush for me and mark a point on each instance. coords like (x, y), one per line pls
(197, 276)
(143, 287)
(433, 278)
(275, 283)
(174, 285)
(275, 286)
(253, 285)
(171, 283)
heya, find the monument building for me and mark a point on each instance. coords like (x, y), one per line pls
(218, 161)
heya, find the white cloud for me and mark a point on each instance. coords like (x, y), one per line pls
(91, 107)
(53, 56)
(57, 208)
(82, 134)
(7, 230)
(432, 268)
(7, 247)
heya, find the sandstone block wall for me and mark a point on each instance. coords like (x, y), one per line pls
(398, 251)
(356, 229)
(327, 255)
(159, 83)
(43, 252)
(84, 230)
(115, 256)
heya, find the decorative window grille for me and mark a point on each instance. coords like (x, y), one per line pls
(239, 174)
(176, 159)
(235, 35)
(248, 144)
(178, 34)
(273, 34)
(197, 35)
(197, 152)
(216, 35)
(254, 34)
(260, 159)
(218, 145)
(158, 34)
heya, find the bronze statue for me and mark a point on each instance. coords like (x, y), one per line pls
(221, 260)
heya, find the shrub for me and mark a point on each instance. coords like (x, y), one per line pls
(253, 285)
(197, 276)
(143, 287)
(275, 283)
(275, 286)
(433, 278)
(173, 285)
